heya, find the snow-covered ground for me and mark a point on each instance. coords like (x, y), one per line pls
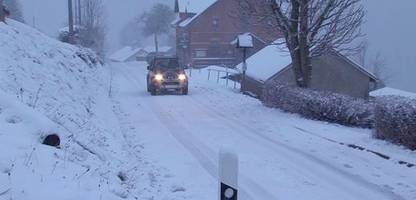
(282, 156)
(49, 87)
(118, 142)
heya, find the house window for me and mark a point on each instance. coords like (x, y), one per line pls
(215, 22)
(215, 47)
(200, 53)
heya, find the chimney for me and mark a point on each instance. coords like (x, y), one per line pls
(176, 6)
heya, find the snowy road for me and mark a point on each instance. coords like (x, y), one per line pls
(282, 156)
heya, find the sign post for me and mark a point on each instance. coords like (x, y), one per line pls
(228, 175)
(244, 42)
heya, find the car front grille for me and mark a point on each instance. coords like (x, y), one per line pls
(171, 76)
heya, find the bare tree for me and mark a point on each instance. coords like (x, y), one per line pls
(131, 34)
(92, 28)
(157, 22)
(362, 53)
(379, 67)
(15, 9)
(314, 27)
(377, 63)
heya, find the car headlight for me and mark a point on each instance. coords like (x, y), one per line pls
(159, 77)
(182, 77)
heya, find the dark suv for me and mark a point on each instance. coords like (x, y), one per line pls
(165, 74)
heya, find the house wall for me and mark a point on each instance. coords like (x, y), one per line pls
(331, 73)
(252, 85)
(215, 28)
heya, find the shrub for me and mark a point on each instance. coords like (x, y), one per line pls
(396, 120)
(324, 106)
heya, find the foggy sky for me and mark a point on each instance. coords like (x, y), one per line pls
(390, 28)
(50, 15)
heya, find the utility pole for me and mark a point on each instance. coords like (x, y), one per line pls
(70, 20)
(75, 13)
(79, 13)
(2, 14)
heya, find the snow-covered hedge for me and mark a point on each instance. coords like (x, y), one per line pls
(396, 120)
(322, 106)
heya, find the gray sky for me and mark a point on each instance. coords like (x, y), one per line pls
(390, 28)
(50, 15)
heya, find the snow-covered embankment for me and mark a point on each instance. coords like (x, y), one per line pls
(50, 87)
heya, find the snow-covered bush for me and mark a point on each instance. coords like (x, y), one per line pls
(324, 106)
(396, 120)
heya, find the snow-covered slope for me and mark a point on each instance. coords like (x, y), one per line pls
(52, 87)
(55, 87)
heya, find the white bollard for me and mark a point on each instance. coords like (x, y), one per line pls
(228, 174)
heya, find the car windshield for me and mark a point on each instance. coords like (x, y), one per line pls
(166, 63)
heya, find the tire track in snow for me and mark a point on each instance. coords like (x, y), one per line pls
(355, 185)
(197, 149)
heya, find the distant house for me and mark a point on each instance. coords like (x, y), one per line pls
(387, 91)
(128, 54)
(206, 28)
(331, 72)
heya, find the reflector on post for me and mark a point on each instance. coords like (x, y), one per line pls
(228, 174)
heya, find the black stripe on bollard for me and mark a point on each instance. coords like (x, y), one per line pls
(228, 192)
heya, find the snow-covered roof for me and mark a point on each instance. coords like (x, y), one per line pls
(176, 20)
(187, 21)
(124, 54)
(267, 62)
(245, 40)
(392, 91)
(150, 49)
(254, 36)
(194, 6)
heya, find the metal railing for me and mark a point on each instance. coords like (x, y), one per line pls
(223, 74)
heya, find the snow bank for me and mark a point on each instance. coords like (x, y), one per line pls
(396, 120)
(392, 91)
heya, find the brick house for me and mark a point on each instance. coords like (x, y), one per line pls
(204, 37)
